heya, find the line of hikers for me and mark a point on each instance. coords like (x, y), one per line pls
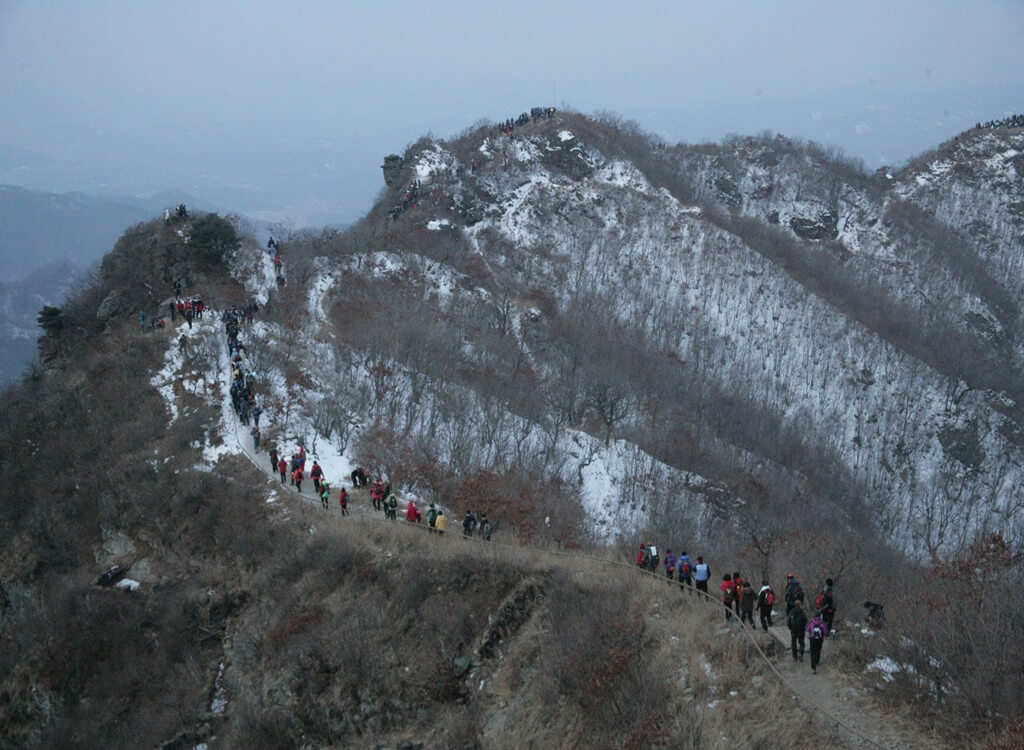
(738, 596)
(408, 201)
(1013, 121)
(536, 113)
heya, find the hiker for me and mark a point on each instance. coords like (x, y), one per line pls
(485, 527)
(875, 616)
(377, 494)
(670, 565)
(297, 479)
(747, 603)
(183, 344)
(826, 602)
(282, 466)
(468, 524)
(391, 511)
(641, 556)
(325, 494)
(684, 569)
(765, 600)
(796, 619)
(412, 515)
(431, 518)
(142, 320)
(737, 589)
(728, 595)
(255, 432)
(440, 522)
(652, 558)
(793, 590)
(316, 474)
(343, 501)
(256, 411)
(701, 574)
(273, 460)
(360, 477)
(817, 629)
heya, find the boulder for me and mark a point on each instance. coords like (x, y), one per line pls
(111, 306)
(392, 168)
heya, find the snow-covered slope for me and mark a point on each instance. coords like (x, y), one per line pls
(606, 319)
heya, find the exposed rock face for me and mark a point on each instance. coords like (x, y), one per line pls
(567, 156)
(111, 306)
(824, 226)
(392, 168)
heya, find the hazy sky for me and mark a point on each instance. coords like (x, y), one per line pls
(104, 79)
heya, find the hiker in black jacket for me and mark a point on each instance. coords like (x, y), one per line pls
(797, 621)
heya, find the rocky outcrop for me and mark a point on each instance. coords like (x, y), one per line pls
(111, 306)
(824, 226)
(392, 168)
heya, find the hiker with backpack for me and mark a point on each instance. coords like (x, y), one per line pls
(273, 460)
(797, 622)
(255, 432)
(685, 569)
(343, 501)
(432, 518)
(670, 565)
(747, 603)
(728, 595)
(737, 589)
(652, 558)
(793, 591)
(468, 523)
(325, 495)
(641, 556)
(485, 527)
(297, 479)
(316, 474)
(391, 507)
(701, 574)
(282, 466)
(826, 602)
(817, 630)
(765, 602)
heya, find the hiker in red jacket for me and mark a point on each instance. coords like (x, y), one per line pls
(282, 466)
(641, 556)
(412, 515)
(377, 494)
(343, 501)
(316, 474)
(297, 479)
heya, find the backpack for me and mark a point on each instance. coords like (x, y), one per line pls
(769, 597)
(728, 595)
(817, 634)
(797, 619)
(684, 569)
(819, 601)
(431, 517)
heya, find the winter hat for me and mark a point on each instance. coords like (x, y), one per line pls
(789, 575)
(828, 581)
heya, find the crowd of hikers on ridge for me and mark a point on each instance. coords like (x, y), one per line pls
(536, 113)
(738, 596)
(741, 597)
(1013, 121)
(247, 407)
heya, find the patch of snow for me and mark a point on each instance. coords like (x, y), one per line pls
(565, 135)
(435, 224)
(127, 583)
